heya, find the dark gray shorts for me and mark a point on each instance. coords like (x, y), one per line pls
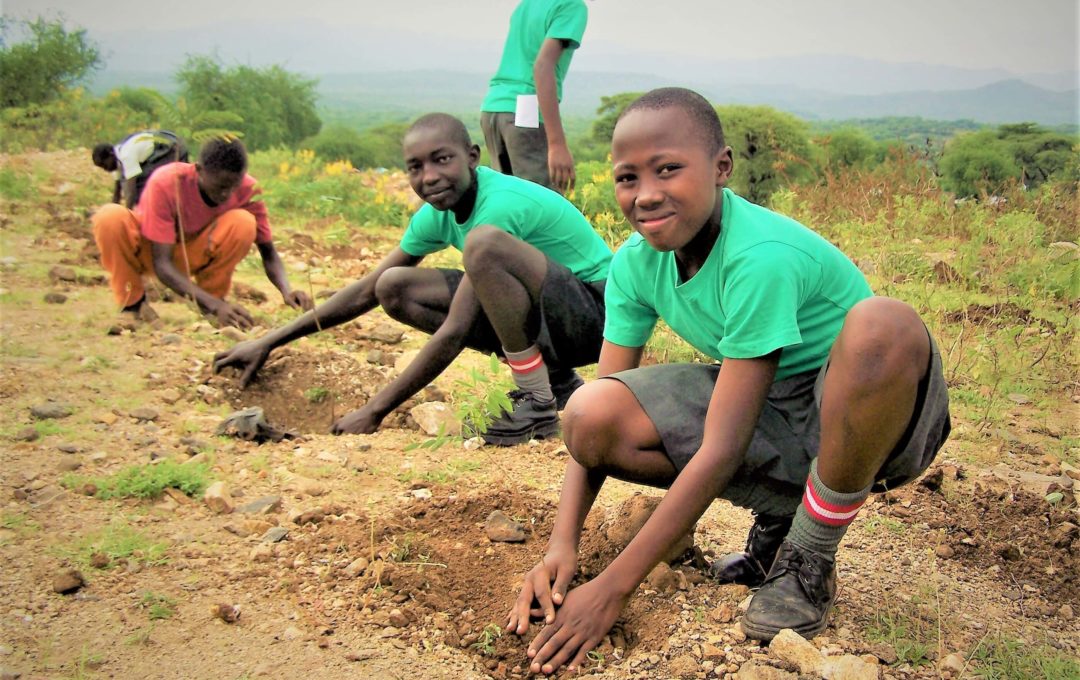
(521, 152)
(571, 319)
(773, 473)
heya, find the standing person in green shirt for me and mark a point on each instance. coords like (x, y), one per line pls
(520, 114)
(532, 289)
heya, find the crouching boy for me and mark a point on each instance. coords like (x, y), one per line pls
(822, 392)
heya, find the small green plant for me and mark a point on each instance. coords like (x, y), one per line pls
(86, 663)
(316, 395)
(485, 644)
(878, 522)
(118, 541)
(258, 462)
(596, 657)
(158, 607)
(482, 397)
(1001, 658)
(140, 637)
(147, 481)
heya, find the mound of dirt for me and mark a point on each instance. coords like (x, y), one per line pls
(432, 574)
(1020, 539)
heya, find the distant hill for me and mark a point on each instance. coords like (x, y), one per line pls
(410, 92)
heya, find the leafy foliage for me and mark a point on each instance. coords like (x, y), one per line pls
(47, 61)
(148, 481)
(377, 147)
(771, 148)
(984, 162)
(277, 107)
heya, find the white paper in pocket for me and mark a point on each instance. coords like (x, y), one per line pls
(527, 112)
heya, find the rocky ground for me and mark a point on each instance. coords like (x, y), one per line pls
(364, 556)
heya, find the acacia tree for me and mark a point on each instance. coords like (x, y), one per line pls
(277, 107)
(41, 59)
(771, 149)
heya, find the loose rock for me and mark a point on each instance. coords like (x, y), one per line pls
(229, 613)
(55, 298)
(145, 414)
(500, 528)
(435, 417)
(61, 273)
(50, 410)
(26, 434)
(261, 506)
(758, 671)
(217, 498)
(67, 581)
(275, 535)
(632, 515)
(793, 648)
(849, 667)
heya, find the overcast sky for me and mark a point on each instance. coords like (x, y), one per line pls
(1021, 37)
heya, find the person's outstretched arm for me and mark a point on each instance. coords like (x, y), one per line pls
(347, 304)
(128, 191)
(590, 610)
(548, 581)
(275, 273)
(560, 162)
(440, 351)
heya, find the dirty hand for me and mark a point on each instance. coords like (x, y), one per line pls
(580, 625)
(247, 357)
(561, 168)
(361, 421)
(546, 584)
(298, 299)
(233, 315)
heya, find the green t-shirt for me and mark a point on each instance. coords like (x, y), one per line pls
(769, 283)
(531, 23)
(532, 213)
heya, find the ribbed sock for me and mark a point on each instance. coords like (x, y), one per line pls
(824, 515)
(530, 372)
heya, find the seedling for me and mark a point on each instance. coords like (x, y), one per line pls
(485, 644)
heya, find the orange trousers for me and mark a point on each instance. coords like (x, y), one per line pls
(210, 256)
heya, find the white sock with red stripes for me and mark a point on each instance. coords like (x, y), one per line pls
(530, 372)
(824, 516)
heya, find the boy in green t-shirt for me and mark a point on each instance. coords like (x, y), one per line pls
(520, 114)
(823, 392)
(531, 290)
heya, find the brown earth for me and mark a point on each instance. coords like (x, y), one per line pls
(954, 562)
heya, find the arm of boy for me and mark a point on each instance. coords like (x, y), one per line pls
(548, 581)
(345, 305)
(589, 611)
(445, 345)
(275, 273)
(560, 162)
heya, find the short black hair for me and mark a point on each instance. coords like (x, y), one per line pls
(444, 122)
(101, 153)
(701, 112)
(223, 153)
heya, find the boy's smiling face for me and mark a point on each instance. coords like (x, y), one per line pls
(666, 180)
(440, 168)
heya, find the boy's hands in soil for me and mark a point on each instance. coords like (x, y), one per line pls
(545, 584)
(587, 614)
(361, 421)
(233, 315)
(298, 299)
(247, 357)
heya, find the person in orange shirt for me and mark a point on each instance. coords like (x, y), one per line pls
(193, 220)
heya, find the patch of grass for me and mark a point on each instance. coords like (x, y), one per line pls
(19, 523)
(118, 541)
(258, 462)
(316, 395)
(85, 665)
(1002, 658)
(140, 637)
(879, 522)
(158, 607)
(450, 472)
(95, 364)
(147, 481)
(15, 186)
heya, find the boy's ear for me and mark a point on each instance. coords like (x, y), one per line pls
(474, 156)
(725, 163)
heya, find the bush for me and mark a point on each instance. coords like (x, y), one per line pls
(47, 61)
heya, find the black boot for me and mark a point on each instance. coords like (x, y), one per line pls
(798, 594)
(749, 568)
(563, 383)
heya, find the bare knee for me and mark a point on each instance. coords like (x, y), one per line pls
(884, 341)
(391, 290)
(591, 422)
(485, 246)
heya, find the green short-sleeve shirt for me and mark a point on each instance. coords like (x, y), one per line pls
(532, 22)
(532, 213)
(769, 283)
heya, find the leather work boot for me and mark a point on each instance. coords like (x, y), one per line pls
(798, 594)
(749, 568)
(528, 419)
(563, 383)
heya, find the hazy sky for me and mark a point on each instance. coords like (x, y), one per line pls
(1021, 37)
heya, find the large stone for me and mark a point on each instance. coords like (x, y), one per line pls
(61, 273)
(759, 671)
(356, 567)
(1031, 482)
(261, 506)
(67, 581)
(849, 667)
(145, 414)
(385, 333)
(664, 579)
(50, 410)
(793, 648)
(632, 515)
(217, 498)
(306, 487)
(954, 663)
(435, 417)
(503, 529)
